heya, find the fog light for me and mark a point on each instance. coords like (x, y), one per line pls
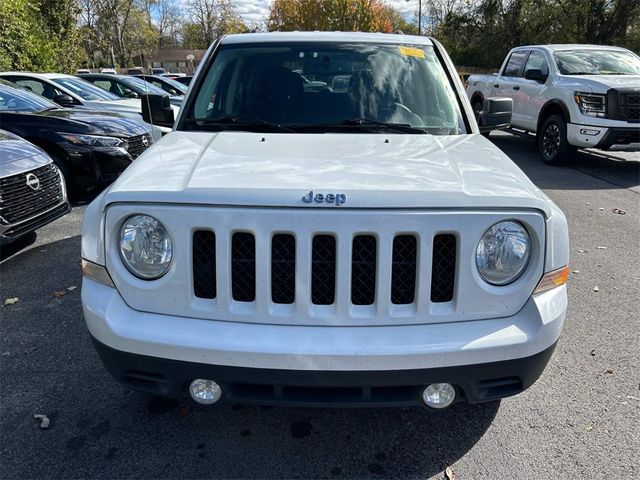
(206, 392)
(439, 395)
(588, 131)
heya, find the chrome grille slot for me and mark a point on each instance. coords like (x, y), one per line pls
(443, 268)
(243, 267)
(204, 264)
(323, 270)
(363, 270)
(136, 145)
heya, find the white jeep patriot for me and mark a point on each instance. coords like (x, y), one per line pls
(325, 226)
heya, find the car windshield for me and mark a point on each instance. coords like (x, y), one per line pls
(317, 87)
(83, 89)
(177, 85)
(144, 86)
(20, 100)
(597, 62)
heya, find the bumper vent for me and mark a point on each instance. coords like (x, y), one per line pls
(243, 267)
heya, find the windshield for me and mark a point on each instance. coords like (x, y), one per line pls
(144, 86)
(19, 100)
(597, 62)
(84, 90)
(316, 87)
(177, 85)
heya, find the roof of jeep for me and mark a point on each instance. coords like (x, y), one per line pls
(572, 46)
(270, 37)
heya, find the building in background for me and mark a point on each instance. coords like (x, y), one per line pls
(174, 60)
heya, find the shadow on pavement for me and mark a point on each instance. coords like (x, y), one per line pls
(614, 171)
(10, 249)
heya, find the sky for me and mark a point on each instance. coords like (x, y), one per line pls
(256, 11)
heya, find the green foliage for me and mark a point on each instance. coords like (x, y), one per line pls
(38, 35)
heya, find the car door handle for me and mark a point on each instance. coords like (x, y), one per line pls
(496, 85)
(516, 87)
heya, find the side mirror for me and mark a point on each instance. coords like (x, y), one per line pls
(64, 100)
(496, 114)
(535, 74)
(173, 92)
(131, 94)
(156, 109)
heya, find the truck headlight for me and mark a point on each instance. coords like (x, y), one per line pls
(145, 247)
(503, 253)
(592, 104)
(93, 140)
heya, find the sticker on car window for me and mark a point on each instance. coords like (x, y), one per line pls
(411, 52)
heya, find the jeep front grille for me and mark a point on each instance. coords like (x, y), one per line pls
(631, 105)
(364, 266)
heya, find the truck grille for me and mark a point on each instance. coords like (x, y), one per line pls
(139, 144)
(631, 105)
(19, 202)
(365, 271)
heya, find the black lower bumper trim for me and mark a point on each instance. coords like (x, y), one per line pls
(620, 136)
(474, 383)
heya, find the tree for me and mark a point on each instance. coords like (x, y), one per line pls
(211, 19)
(329, 15)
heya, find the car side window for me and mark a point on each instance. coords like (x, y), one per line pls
(537, 61)
(103, 84)
(514, 64)
(36, 86)
(32, 85)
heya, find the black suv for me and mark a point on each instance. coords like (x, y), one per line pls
(91, 148)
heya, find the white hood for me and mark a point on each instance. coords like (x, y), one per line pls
(372, 170)
(601, 83)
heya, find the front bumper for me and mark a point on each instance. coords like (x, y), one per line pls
(485, 359)
(604, 138)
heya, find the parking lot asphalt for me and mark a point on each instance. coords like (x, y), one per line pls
(580, 420)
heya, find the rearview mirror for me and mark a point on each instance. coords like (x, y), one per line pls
(495, 114)
(535, 74)
(156, 109)
(64, 100)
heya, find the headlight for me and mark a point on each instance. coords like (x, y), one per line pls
(145, 247)
(93, 140)
(592, 104)
(503, 253)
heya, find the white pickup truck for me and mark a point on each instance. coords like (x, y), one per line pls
(357, 243)
(570, 96)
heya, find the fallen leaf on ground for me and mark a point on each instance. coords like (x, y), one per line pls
(11, 301)
(44, 420)
(609, 371)
(582, 251)
(589, 428)
(601, 209)
(576, 271)
(601, 248)
(71, 288)
(593, 352)
(184, 411)
(58, 293)
(448, 474)
(619, 211)
(596, 289)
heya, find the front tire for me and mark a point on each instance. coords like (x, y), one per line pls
(553, 145)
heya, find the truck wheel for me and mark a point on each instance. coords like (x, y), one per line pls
(552, 141)
(477, 108)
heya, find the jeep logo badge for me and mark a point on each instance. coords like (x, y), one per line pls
(32, 181)
(335, 198)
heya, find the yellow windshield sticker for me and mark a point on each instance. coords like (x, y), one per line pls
(412, 52)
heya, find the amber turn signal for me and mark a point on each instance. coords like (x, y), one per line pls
(553, 279)
(96, 272)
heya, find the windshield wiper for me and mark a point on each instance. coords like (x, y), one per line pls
(362, 123)
(241, 122)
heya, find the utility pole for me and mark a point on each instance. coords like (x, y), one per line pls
(419, 16)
